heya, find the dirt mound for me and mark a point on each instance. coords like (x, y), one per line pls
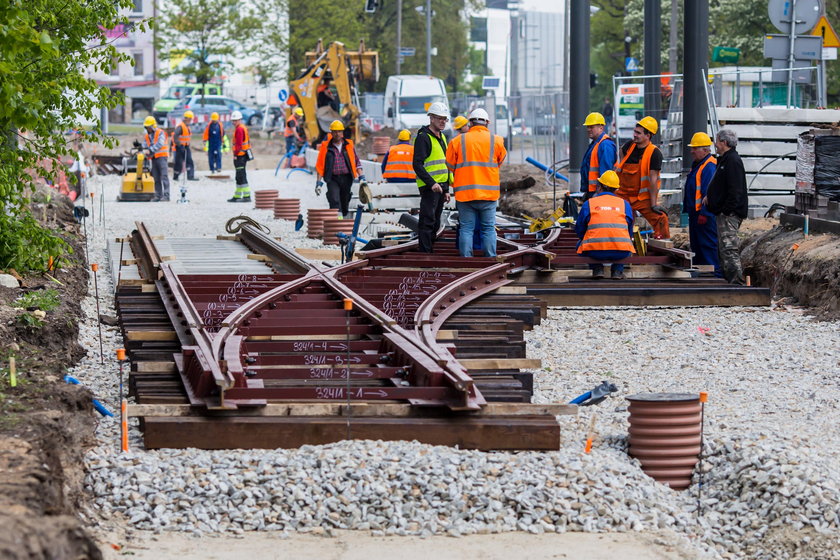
(45, 424)
(809, 274)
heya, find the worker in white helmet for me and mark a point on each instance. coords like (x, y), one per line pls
(433, 177)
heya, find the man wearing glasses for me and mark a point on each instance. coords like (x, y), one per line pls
(433, 177)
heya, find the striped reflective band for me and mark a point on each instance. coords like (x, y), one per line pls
(605, 240)
(476, 187)
(491, 161)
(606, 226)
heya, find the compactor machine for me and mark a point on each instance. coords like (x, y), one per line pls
(138, 185)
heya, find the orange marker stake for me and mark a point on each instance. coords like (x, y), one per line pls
(348, 307)
(124, 426)
(704, 397)
(12, 372)
(590, 434)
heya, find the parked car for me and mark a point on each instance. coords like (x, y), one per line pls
(177, 93)
(209, 103)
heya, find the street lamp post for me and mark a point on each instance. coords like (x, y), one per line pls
(429, 37)
(399, 35)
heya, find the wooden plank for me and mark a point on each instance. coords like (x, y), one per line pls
(661, 243)
(319, 254)
(260, 258)
(540, 277)
(501, 363)
(156, 367)
(151, 335)
(510, 290)
(540, 432)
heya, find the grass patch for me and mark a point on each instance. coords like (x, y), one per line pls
(45, 300)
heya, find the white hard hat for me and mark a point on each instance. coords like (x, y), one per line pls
(479, 115)
(438, 109)
(236, 116)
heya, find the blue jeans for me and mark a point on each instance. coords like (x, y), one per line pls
(479, 214)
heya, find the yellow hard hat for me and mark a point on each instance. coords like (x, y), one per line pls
(189, 115)
(214, 116)
(298, 111)
(460, 122)
(150, 121)
(609, 179)
(404, 135)
(593, 119)
(649, 124)
(700, 140)
(336, 125)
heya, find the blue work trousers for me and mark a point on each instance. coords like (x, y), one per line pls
(704, 241)
(479, 214)
(214, 157)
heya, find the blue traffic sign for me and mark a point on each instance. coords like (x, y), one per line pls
(631, 64)
(407, 51)
(283, 95)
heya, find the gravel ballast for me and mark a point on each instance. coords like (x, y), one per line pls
(770, 482)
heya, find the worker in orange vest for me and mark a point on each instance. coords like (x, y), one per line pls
(639, 170)
(600, 156)
(241, 156)
(290, 132)
(605, 227)
(397, 166)
(338, 166)
(702, 224)
(474, 159)
(183, 152)
(155, 142)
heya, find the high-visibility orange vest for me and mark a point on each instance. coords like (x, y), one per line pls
(607, 228)
(246, 142)
(164, 149)
(698, 179)
(322, 155)
(635, 177)
(400, 164)
(206, 135)
(474, 159)
(594, 164)
(290, 130)
(184, 138)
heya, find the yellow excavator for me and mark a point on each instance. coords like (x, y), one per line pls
(343, 69)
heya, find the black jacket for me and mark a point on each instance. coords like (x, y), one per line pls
(422, 149)
(727, 193)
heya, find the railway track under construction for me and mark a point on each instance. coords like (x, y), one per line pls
(239, 342)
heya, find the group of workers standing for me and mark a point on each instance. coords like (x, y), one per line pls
(157, 144)
(617, 183)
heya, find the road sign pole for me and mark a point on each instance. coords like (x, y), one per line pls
(399, 35)
(790, 55)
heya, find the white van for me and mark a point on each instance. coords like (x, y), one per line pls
(408, 96)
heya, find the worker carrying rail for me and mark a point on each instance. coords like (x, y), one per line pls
(605, 227)
(639, 173)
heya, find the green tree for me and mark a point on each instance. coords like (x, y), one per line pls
(45, 45)
(205, 35)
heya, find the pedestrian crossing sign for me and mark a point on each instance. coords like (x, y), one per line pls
(631, 64)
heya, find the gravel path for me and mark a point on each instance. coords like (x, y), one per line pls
(770, 489)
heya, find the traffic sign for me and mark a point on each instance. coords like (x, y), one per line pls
(283, 95)
(726, 54)
(805, 47)
(829, 36)
(631, 64)
(806, 14)
(829, 53)
(407, 51)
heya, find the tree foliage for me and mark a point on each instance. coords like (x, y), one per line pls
(45, 46)
(205, 36)
(310, 20)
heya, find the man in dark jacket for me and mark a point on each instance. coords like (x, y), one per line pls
(726, 198)
(433, 177)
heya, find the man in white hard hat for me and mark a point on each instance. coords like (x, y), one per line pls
(241, 156)
(474, 158)
(433, 177)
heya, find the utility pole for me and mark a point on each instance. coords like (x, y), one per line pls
(695, 61)
(428, 37)
(399, 34)
(579, 87)
(672, 39)
(791, 58)
(653, 64)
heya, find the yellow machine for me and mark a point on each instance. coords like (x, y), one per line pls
(138, 185)
(344, 68)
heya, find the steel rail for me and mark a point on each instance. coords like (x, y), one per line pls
(143, 246)
(280, 255)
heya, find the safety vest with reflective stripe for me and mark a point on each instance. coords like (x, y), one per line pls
(206, 135)
(399, 164)
(290, 130)
(246, 140)
(698, 180)
(435, 162)
(320, 163)
(163, 151)
(474, 158)
(184, 136)
(633, 185)
(607, 227)
(594, 165)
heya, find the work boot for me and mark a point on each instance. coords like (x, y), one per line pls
(598, 272)
(192, 178)
(234, 199)
(244, 199)
(617, 275)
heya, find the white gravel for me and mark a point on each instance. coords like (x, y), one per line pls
(770, 489)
